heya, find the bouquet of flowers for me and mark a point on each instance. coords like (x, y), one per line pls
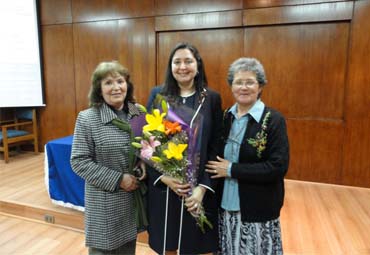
(169, 145)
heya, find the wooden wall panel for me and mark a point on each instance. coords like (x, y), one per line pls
(305, 78)
(169, 7)
(269, 3)
(55, 12)
(138, 8)
(137, 49)
(315, 150)
(94, 10)
(57, 119)
(94, 42)
(307, 84)
(356, 159)
(358, 90)
(199, 21)
(298, 14)
(208, 43)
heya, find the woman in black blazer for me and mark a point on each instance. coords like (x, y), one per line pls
(185, 85)
(253, 166)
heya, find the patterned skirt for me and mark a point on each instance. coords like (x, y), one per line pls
(252, 238)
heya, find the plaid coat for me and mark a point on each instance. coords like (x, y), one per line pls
(100, 156)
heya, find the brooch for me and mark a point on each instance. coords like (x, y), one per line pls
(259, 142)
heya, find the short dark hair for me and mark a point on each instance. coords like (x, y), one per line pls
(104, 69)
(171, 87)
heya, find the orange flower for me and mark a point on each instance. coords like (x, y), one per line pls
(171, 127)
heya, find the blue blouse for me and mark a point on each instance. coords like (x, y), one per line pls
(230, 196)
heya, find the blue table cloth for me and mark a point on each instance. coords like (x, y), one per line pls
(64, 186)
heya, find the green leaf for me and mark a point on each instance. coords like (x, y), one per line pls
(164, 106)
(141, 108)
(136, 145)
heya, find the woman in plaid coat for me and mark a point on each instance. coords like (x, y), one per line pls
(100, 155)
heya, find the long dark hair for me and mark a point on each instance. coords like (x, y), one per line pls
(170, 86)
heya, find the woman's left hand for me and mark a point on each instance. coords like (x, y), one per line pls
(217, 168)
(143, 168)
(194, 202)
(128, 182)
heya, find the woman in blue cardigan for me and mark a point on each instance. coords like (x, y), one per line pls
(252, 169)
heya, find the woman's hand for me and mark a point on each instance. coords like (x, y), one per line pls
(176, 185)
(128, 183)
(194, 202)
(142, 175)
(217, 168)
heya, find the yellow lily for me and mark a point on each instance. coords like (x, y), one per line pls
(155, 121)
(175, 151)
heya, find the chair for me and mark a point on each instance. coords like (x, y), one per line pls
(22, 128)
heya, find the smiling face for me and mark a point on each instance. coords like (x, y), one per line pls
(114, 90)
(184, 68)
(245, 88)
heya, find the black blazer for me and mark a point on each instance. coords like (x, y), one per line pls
(212, 126)
(193, 241)
(261, 179)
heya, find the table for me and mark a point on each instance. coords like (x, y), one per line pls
(64, 186)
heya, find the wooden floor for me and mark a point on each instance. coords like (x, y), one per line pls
(316, 218)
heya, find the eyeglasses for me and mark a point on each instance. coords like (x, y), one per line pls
(241, 83)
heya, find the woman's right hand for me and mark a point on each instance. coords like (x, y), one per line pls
(129, 183)
(176, 185)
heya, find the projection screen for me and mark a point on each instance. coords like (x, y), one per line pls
(20, 60)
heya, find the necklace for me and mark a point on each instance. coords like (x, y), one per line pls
(184, 97)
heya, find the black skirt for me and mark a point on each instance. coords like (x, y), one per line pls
(193, 241)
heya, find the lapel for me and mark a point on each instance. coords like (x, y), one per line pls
(254, 126)
(200, 101)
(197, 101)
(107, 114)
(133, 111)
